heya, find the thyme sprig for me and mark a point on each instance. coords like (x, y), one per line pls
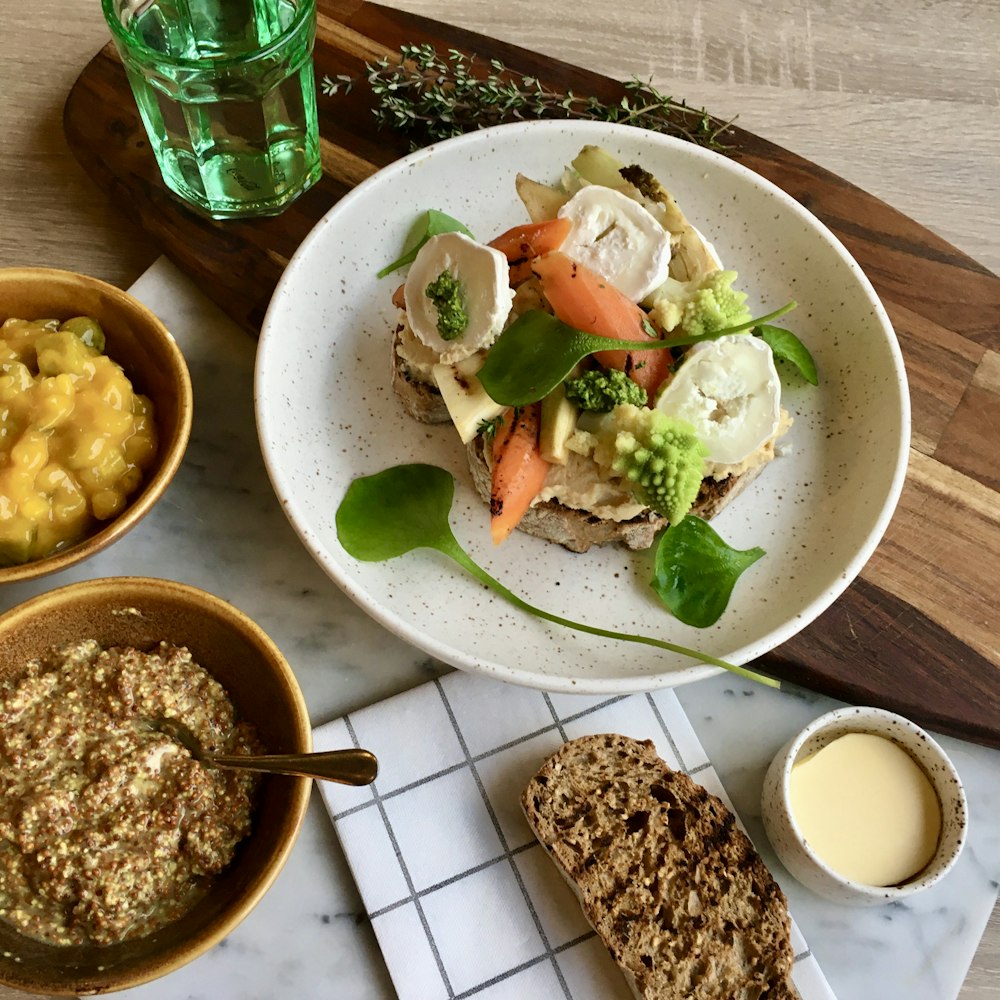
(429, 97)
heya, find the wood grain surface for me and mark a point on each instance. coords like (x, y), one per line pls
(929, 652)
(900, 99)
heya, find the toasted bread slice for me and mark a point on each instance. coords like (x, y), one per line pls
(421, 399)
(577, 530)
(671, 885)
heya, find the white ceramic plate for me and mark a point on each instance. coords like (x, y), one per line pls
(326, 414)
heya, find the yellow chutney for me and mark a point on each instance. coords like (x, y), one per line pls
(74, 437)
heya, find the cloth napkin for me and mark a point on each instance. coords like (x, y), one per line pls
(464, 901)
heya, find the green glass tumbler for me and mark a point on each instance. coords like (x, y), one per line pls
(227, 93)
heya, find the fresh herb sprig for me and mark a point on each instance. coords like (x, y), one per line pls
(430, 97)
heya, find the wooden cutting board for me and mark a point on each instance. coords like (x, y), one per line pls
(919, 631)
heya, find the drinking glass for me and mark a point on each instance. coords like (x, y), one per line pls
(227, 94)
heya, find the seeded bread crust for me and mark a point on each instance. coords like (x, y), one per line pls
(671, 885)
(421, 400)
(577, 530)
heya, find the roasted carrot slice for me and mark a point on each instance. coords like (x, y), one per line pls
(519, 470)
(522, 244)
(583, 299)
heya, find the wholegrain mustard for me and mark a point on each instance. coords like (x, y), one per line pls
(109, 828)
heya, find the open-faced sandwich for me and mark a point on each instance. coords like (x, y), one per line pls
(631, 439)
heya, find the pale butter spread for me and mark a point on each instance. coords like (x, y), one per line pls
(867, 809)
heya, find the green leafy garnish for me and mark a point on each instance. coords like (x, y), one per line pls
(695, 571)
(537, 351)
(532, 356)
(489, 428)
(785, 346)
(406, 507)
(431, 223)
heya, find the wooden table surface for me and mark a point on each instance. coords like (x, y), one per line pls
(901, 99)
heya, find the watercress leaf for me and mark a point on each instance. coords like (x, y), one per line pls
(406, 507)
(695, 571)
(537, 351)
(532, 356)
(395, 511)
(785, 346)
(431, 223)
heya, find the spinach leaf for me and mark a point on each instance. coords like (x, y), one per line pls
(695, 571)
(431, 223)
(537, 351)
(532, 356)
(407, 507)
(395, 511)
(785, 346)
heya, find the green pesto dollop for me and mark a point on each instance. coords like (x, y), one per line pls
(445, 291)
(601, 391)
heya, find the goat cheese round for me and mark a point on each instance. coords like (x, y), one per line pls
(618, 238)
(457, 296)
(728, 390)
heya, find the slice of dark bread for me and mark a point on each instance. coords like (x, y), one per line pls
(577, 530)
(671, 885)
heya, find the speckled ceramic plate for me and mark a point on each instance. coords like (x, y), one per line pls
(326, 414)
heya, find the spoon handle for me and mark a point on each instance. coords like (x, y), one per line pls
(349, 767)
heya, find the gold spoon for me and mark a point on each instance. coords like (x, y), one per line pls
(349, 767)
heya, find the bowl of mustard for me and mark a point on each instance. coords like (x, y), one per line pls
(95, 415)
(123, 856)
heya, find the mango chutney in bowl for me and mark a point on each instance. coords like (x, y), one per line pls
(95, 414)
(75, 439)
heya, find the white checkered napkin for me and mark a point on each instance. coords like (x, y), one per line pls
(464, 901)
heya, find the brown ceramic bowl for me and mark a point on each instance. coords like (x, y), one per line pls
(140, 612)
(151, 359)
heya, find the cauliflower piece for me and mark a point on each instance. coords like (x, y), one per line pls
(582, 442)
(705, 306)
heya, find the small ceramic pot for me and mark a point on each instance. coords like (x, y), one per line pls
(793, 849)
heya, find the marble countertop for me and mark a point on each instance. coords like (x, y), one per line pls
(220, 527)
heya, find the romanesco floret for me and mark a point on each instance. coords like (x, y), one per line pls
(704, 307)
(659, 456)
(602, 390)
